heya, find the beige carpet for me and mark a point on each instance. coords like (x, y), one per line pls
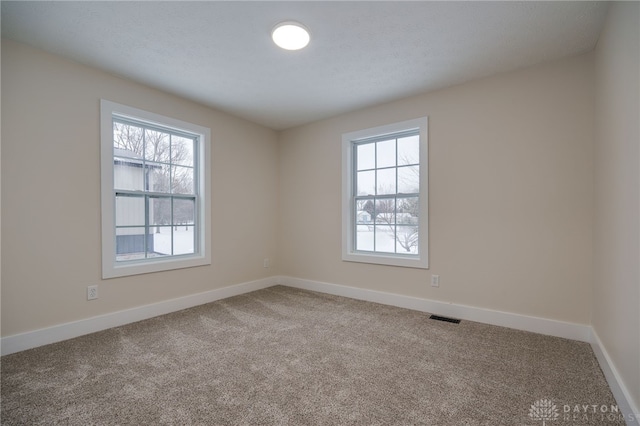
(294, 357)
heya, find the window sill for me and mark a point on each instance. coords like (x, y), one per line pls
(122, 269)
(389, 260)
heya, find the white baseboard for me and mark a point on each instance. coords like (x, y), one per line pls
(57, 333)
(549, 327)
(618, 388)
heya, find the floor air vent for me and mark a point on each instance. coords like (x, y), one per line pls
(445, 319)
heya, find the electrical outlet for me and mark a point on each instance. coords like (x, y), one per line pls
(435, 280)
(92, 292)
(266, 263)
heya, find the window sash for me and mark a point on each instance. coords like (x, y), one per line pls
(148, 226)
(145, 162)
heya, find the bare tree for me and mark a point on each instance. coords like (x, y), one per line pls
(400, 215)
(152, 145)
(128, 138)
(407, 237)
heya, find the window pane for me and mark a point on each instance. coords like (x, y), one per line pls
(129, 211)
(182, 150)
(409, 150)
(386, 153)
(409, 179)
(161, 241)
(156, 147)
(182, 182)
(364, 211)
(385, 211)
(385, 239)
(183, 211)
(159, 177)
(407, 211)
(366, 156)
(364, 237)
(386, 181)
(129, 243)
(183, 239)
(160, 211)
(407, 239)
(128, 174)
(366, 183)
(127, 140)
(362, 205)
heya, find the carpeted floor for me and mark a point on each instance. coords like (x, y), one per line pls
(294, 357)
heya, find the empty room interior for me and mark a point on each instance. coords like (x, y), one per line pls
(421, 213)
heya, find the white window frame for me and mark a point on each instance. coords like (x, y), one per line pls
(202, 249)
(349, 254)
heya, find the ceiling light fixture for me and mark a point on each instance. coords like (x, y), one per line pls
(290, 35)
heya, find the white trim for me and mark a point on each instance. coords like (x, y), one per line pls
(549, 327)
(348, 251)
(57, 333)
(112, 269)
(620, 392)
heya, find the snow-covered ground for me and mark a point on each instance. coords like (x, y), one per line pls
(183, 243)
(384, 241)
(182, 240)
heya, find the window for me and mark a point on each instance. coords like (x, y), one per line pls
(384, 177)
(155, 207)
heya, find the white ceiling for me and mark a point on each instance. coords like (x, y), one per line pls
(361, 53)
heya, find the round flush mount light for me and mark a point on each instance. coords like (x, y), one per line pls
(290, 35)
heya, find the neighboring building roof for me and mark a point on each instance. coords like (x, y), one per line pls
(119, 152)
(130, 158)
